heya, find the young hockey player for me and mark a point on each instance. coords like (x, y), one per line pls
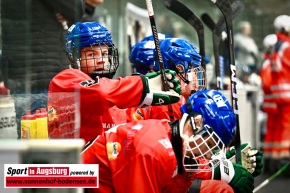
(158, 156)
(178, 55)
(79, 97)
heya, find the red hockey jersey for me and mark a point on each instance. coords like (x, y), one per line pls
(76, 103)
(138, 157)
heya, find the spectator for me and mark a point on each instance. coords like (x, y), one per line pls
(280, 88)
(90, 6)
(164, 24)
(271, 133)
(246, 50)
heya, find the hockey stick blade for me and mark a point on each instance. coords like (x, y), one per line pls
(184, 12)
(216, 42)
(225, 8)
(157, 45)
(209, 22)
(237, 8)
(217, 29)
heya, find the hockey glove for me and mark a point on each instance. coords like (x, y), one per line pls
(235, 175)
(251, 158)
(154, 95)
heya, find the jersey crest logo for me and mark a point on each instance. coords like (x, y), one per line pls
(51, 113)
(138, 115)
(89, 83)
(113, 149)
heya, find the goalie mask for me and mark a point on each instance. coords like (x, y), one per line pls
(211, 127)
(90, 48)
(183, 57)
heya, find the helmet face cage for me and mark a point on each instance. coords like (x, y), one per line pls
(98, 60)
(196, 78)
(198, 148)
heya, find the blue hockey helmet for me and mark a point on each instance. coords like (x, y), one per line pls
(91, 34)
(182, 56)
(143, 56)
(210, 114)
(216, 111)
(180, 52)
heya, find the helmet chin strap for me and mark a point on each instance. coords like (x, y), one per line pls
(181, 125)
(177, 144)
(177, 138)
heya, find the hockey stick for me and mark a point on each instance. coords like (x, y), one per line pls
(158, 51)
(216, 42)
(217, 30)
(157, 45)
(225, 8)
(237, 7)
(268, 180)
(181, 10)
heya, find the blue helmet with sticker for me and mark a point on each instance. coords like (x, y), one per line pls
(216, 112)
(182, 56)
(178, 51)
(213, 127)
(88, 34)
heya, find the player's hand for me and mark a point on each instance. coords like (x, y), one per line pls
(155, 95)
(235, 175)
(251, 158)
